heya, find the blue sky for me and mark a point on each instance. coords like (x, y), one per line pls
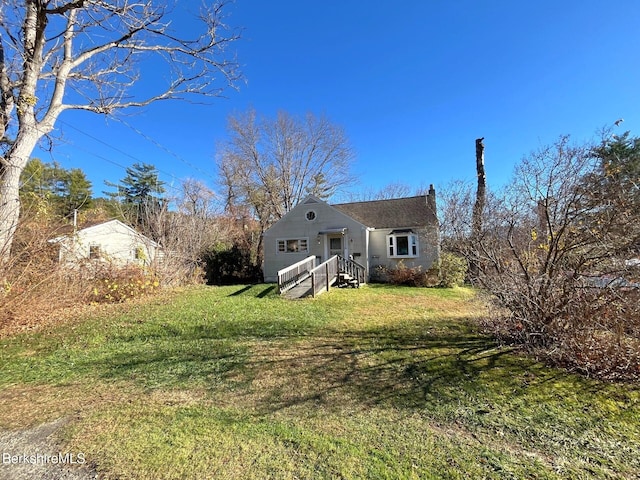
(413, 84)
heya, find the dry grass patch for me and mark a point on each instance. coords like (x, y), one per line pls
(32, 405)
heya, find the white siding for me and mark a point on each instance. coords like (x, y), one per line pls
(116, 242)
(428, 249)
(295, 225)
(368, 246)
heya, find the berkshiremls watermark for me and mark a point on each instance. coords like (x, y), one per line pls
(44, 459)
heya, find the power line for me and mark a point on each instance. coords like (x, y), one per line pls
(108, 160)
(127, 154)
(165, 149)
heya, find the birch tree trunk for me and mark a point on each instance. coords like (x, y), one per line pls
(12, 166)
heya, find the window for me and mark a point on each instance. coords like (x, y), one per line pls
(293, 245)
(94, 252)
(335, 243)
(310, 216)
(402, 245)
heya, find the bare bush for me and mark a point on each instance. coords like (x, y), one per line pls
(556, 253)
(450, 272)
(32, 284)
(187, 233)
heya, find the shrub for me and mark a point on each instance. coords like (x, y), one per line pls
(115, 285)
(403, 275)
(229, 266)
(453, 270)
(598, 336)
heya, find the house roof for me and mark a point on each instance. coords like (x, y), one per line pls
(93, 226)
(393, 213)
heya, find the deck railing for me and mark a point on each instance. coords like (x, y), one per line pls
(294, 274)
(324, 275)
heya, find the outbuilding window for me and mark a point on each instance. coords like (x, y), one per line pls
(139, 253)
(94, 252)
(402, 245)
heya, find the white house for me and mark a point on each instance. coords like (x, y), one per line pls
(374, 233)
(111, 241)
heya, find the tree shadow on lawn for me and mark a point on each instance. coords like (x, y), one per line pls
(179, 365)
(396, 368)
(413, 366)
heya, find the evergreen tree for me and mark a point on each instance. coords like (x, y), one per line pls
(74, 192)
(55, 188)
(613, 194)
(140, 195)
(37, 179)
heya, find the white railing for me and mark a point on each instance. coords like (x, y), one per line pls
(324, 275)
(294, 274)
(353, 269)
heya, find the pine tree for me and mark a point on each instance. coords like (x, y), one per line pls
(58, 190)
(140, 195)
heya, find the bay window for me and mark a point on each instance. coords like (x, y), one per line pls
(402, 245)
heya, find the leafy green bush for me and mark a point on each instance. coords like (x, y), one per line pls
(453, 270)
(230, 266)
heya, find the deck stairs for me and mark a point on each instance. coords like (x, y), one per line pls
(304, 279)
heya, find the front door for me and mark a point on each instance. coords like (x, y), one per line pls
(335, 245)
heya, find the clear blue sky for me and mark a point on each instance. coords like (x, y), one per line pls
(413, 83)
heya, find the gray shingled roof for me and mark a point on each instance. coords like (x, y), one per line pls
(394, 213)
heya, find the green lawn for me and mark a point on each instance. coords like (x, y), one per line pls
(380, 382)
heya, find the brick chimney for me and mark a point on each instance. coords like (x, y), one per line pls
(431, 200)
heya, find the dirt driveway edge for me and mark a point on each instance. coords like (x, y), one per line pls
(34, 453)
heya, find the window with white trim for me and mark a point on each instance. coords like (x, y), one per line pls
(402, 245)
(293, 245)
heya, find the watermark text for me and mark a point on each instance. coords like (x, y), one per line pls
(43, 459)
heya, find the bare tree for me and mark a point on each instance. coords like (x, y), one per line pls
(454, 212)
(391, 190)
(58, 55)
(187, 232)
(272, 164)
(557, 252)
(479, 204)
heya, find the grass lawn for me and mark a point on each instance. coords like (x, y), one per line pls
(380, 382)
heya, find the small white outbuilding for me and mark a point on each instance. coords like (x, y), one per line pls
(112, 242)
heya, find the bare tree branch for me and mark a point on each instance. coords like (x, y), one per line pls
(58, 55)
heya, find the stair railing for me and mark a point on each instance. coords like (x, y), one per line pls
(352, 268)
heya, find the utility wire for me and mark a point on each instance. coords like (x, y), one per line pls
(127, 154)
(165, 149)
(108, 160)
